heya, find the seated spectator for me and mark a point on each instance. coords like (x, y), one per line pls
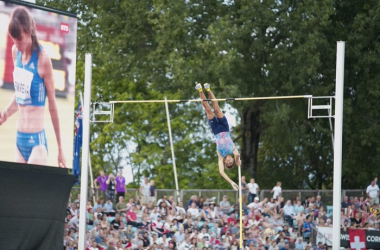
(299, 244)
(158, 226)
(193, 198)
(306, 229)
(345, 203)
(225, 205)
(298, 208)
(108, 206)
(116, 224)
(193, 210)
(163, 199)
(121, 207)
(132, 217)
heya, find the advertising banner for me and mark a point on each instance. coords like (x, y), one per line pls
(37, 84)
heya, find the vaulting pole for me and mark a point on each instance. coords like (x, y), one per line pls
(240, 210)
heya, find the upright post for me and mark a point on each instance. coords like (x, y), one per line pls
(172, 149)
(85, 151)
(337, 194)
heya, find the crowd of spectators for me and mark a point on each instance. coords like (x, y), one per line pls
(199, 223)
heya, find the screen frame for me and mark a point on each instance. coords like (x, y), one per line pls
(44, 8)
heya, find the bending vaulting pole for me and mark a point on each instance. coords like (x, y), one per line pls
(172, 149)
(337, 193)
(240, 210)
(85, 151)
(218, 99)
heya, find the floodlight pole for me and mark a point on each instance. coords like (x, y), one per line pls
(337, 194)
(85, 151)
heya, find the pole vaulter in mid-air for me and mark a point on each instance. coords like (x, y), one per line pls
(219, 126)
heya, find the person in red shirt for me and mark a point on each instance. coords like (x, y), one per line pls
(231, 220)
(132, 217)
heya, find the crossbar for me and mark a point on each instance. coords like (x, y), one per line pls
(217, 99)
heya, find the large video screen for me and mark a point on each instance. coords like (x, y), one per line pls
(37, 84)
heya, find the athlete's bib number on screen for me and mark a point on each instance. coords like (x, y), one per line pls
(23, 83)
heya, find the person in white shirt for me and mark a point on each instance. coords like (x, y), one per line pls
(193, 210)
(144, 191)
(179, 236)
(253, 190)
(186, 245)
(277, 190)
(204, 234)
(154, 214)
(289, 213)
(373, 193)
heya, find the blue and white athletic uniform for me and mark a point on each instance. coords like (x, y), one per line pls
(30, 90)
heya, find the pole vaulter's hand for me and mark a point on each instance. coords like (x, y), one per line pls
(235, 186)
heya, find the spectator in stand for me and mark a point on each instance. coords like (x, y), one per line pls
(102, 180)
(225, 205)
(74, 210)
(163, 200)
(193, 198)
(145, 191)
(299, 244)
(120, 185)
(108, 206)
(244, 190)
(318, 202)
(111, 187)
(158, 226)
(253, 190)
(319, 246)
(277, 190)
(121, 207)
(298, 207)
(345, 203)
(194, 211)
(152, 191)
(99, 204)
(116, 223)
(289, 213)
(132, 217)
(306, 229)
(373, 193)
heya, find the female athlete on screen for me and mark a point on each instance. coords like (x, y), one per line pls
(33, 81)
(219, 126)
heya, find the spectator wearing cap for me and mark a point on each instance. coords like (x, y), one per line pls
(102, 180)
(225, 205)
(163, 199)
(132, 217)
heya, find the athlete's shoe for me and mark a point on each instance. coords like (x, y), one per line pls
(207, 86)
(198, 87)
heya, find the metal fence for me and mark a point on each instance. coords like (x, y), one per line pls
(185, 194)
